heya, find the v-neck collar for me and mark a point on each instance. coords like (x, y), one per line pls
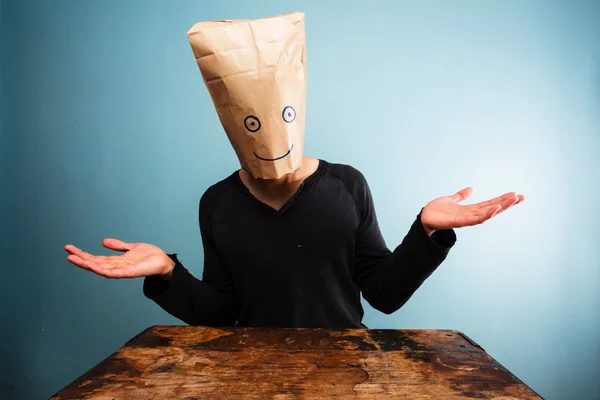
(306, 183)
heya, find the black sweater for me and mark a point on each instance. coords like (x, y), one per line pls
(302, 266)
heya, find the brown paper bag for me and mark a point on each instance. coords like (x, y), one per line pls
(255, 72)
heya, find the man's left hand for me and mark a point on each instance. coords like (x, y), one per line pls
(446, 213)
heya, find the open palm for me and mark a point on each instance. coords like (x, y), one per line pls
(446, 212)
(138, 260)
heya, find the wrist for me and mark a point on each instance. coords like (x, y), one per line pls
(168, 274)
(428, 231)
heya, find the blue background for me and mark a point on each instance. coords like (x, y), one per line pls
(107, 130)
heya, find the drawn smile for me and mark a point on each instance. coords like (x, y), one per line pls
(277, 158)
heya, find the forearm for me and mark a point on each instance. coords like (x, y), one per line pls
(388, 282)
(193, 301)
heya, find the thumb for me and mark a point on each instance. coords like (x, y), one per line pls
(115, 244)
(462, 195)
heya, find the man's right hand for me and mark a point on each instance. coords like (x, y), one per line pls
(138, 260)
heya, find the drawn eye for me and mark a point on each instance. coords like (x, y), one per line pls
(288, 114)
(252, 123)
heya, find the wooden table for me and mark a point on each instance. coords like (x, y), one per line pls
(167, 362)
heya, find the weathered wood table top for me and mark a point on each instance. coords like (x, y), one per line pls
(169, 362)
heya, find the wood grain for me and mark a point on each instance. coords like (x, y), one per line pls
(166, 362)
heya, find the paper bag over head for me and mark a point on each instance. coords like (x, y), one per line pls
(255, 72)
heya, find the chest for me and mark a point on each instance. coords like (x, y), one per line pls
(317, 226)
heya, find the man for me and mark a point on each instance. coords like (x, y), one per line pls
(289, 240)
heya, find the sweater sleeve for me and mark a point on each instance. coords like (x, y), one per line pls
(210, 301)
(388, 279)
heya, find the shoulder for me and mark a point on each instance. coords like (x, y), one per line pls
(354, 183)
(347, 174)
(211, 196)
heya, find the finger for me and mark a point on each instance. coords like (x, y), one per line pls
(521, 199)
(477, 214)
(462, 195)
(508, 204)
(73, 249)
(83, 255)
(105, 270)
(104, 262)
(489, 212)
(82, 263)
(115, 244)
(492, 212)
(496, 200)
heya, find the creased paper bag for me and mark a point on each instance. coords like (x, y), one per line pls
(255, 72)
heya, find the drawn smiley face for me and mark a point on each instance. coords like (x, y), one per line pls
(252, 124)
